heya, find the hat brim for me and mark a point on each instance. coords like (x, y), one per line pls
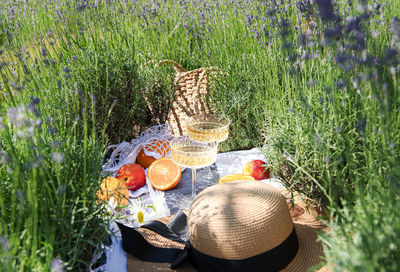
(309, 255)
(133, 264)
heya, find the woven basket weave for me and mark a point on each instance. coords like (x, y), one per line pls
(190, 93)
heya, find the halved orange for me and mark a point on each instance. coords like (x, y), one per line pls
(156, 145)
(113, 187)
(233, 177)
(164, 174)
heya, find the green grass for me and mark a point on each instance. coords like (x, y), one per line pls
(84, 60)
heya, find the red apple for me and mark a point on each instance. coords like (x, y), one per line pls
(132, 174)
(258, 169)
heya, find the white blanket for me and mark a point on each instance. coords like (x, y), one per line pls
(226, 163)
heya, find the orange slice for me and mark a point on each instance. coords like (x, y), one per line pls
(164, 174)
(159, 146)
(233, 177)
(112, 187)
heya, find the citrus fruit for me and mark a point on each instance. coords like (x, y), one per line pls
(164, 174)
(159, 146)
(113, 187)
(132, 175)
(233, 177)
(144, 160)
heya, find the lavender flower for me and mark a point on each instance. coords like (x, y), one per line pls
(57, 265)
(306, 8)
(326, 10)
(5, 244)
(58, 157)
(44, 52)
(248, 19)
(361, 124)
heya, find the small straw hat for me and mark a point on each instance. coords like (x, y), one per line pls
(237, 226)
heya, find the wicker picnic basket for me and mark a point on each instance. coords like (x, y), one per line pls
(190, 93)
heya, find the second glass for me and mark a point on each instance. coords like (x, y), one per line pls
(192, 154)
(207, 128)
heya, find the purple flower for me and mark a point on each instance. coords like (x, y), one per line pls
(353, 24)
(32, 105)
(43, 51)
(5, 244)
(332, 33)
(361, 124)
(248, 19)
(306, 8)
(326, 10)
(57, 265)
(341, 84)
(67, 70)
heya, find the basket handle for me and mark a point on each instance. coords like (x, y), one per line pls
(176, 66)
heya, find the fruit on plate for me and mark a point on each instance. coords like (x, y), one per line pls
(258, 169)
(233, 177)
(164, 174)
(132, 175)
(159, 146)
(112, 187)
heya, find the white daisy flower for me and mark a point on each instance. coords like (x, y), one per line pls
(139, 214)
(159, 204)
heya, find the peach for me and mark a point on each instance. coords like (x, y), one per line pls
(132, 175)
(258, 169)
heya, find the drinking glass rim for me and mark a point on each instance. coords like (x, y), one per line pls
(225, 121)
(174, 142)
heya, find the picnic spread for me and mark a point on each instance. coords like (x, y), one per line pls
(175, 203)
(113, 257)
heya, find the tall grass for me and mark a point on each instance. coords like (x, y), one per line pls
(50, 166)
(314, 84)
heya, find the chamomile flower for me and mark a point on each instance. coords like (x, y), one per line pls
(139, 213)
(159, 205)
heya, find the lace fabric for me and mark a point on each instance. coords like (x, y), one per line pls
(149, 140)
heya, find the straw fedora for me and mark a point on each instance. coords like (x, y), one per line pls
(235, 226)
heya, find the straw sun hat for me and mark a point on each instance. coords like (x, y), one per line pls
(235, 226)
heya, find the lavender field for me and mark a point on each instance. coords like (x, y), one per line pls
(314, 83)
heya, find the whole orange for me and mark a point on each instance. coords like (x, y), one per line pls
(112, 187)
(158, 146)
(144, 160)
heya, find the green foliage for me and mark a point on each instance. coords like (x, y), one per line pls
(366, 237)
(324, 114)
(49, 173)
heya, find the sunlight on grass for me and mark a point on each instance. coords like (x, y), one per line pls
(314, 84)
